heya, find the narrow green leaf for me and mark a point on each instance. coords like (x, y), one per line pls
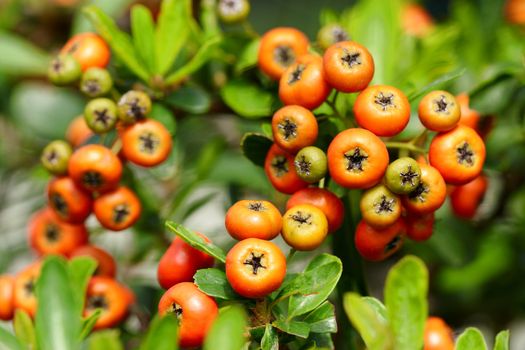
(25, 329)
(502, 341)
(88, 323)
(9, 342)
(143, 31)
(441, 81)
(171, 33)
(471, 339)
(80, 271)
(322, 319)
(297, 328)
(196, 241)
(21, 57)
(105, 340)
(208, 156)
(372, 327)
(406, 302)
(119, 41)
(201, 57)
(162, 334)
(378, 306)
(270, 340)
(228, 330)
(255, 147)
(191, 99)
(214, 283)
(248, 99)
(248, 57)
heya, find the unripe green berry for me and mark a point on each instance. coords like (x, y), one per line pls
(55, 157)
(311, 164)
(101, 115)
(233, 11)
(96, 82)
(403, 175)
(64, 70)
(133, 106)
(330, 34)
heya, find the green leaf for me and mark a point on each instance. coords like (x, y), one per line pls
(24, 329)
(58, 323)
(406, 302)
(270, 340)
(106, 340)
(88, 323)
(191, 99)
(9, 341)
(143, 30)
(164, 115)
(247, 99)
(196, 241)
(297, 328)
(440, 82)
(255, 147)
(172, 32)
(311, 288)
(378, 306)
(119, 41)
(322, 319)
(214, 283)
(21, 57)
(208, 156)
(370, 324)
(502, 341)
(162, 334)
(201, 57)
(227, 331)
(471, 339)
(248, 57)
(80, 271)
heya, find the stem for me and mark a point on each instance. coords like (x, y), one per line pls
(321, 183)
(117, 146)
(248, 29)
(404, 145)
(291, 254)
(422, 136)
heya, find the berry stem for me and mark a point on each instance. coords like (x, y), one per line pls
(291, 254)
(404, 146)
(421, 137)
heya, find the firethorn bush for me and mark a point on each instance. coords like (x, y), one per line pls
(197, 174)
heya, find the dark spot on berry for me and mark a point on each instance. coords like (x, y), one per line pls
(52, 157)
(301, 218)
(73, 47)
(148, 143)
(386, 205)
(176, 309)
(288, 129)
(120, 213)
(256, 206)
(296, 74)
(284, 55)
(57, 65)
(96, 302)
(355, 160)
(92, 179)
(102, 117)
(339, 34)
(280, 165)
(351, 58)
(52, 233)
(393, 244)
(303, 165)
(419, 193)
(135, 109)
(465, 154)
(29, 287)
(255, 262)
(408, 176)
(59, 204)
(384, 101)
(441, 104)
(91, 86)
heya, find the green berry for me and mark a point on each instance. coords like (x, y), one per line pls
(380, 207)
(403, 175)
(64, 70)
(233, 11)
(101, 115)
(96, 82)
(311, 164)
(55, 157)
(133, 106)
(330, 34)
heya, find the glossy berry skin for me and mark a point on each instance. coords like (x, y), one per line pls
(118, 209)
(330, 34)
(378, 244)
(64, 70)
(304, 83)
(357, 158)
(96, 82)
(403, 175)
(255, 268)
(438, 335)
(458, 154)
(466, 199)
(146, 143)
(89, 49)
(469, 117)
(101, 115)
(180, 262)
(382, 109)
(348, 66)
(111, 297)
(7, 309)
(78, 132)
(419, 227)
(24, 288)
(380, 207)
(311, 164)
(439, 111)
(196, 312)
(329, 203)
(280, 170)
(68, 201)
(49, 235)
(304, 227)
(106, 265)
(430, 193)
(253, 219)
(279, 48)
(95, 168)
(293, 128)
(55, 157)
(133, 106)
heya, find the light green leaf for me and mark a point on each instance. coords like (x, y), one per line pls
(378, 306)
(201, 57)
(162, 334)
(270, 340)
(247, 99)
(191, 99)
(21, 57)
(143, 31)
(406, 302)
(322, 319)
(255, 147)
(227, 331)
(88, 323)
(105, 340)
(113, 8)
(248, 57)
(502, 341)
(297, 328)
(372, 327)
(436, 84)
(172, 32)
(196, 241)
(119, 41)
(471, 339)
(9, 341)
(80, 271)
(24, 329)
(213, 282)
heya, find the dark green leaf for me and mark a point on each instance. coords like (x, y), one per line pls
(297, 328)
(80, 270)
(162, 334)
(406, 301)
(441, 81)
(196, 241)
(248, 57)
(270, 340)
(88, 323)
(21, 57)
(191, 99)
(164, 115)
(172, 32)
(247, 99)
(118, 40)
(322, 319)
(201, 57)
(214, 283)
(143, 30)
(227, 331)
(502, 341)
(471, 339)
(24, 329)
(105, 340)
(255, 147)
(9, 341)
